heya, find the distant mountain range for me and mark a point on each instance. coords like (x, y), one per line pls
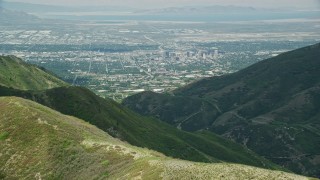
(42, 8)
(36, 8)
(272, 107)
(185, 13)
(10, 17)
(203, 10)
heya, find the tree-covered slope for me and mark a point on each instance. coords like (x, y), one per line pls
(271, 107)
(17, 74)
(39, 143)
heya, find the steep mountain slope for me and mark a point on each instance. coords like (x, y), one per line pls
(38, 142)
(123, 123)
(272, 107)
(141, 131)
(17, 74)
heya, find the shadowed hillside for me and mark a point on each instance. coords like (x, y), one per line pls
(272, 107)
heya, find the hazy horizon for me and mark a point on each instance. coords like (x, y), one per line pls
(314, 4)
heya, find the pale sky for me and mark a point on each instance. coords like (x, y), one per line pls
(167, 3)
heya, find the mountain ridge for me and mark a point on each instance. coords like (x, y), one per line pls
(38, 142)
(141, 131)
(271, 107)
(138, 130)
(16, 73)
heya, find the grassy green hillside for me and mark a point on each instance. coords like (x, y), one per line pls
(17, 74)
(39, 143)
(141, 131)
(126, 125)
(271, 107)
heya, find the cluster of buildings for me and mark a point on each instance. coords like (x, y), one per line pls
(212, 53)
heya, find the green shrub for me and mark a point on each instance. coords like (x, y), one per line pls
(4, 136)
(105, 163)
